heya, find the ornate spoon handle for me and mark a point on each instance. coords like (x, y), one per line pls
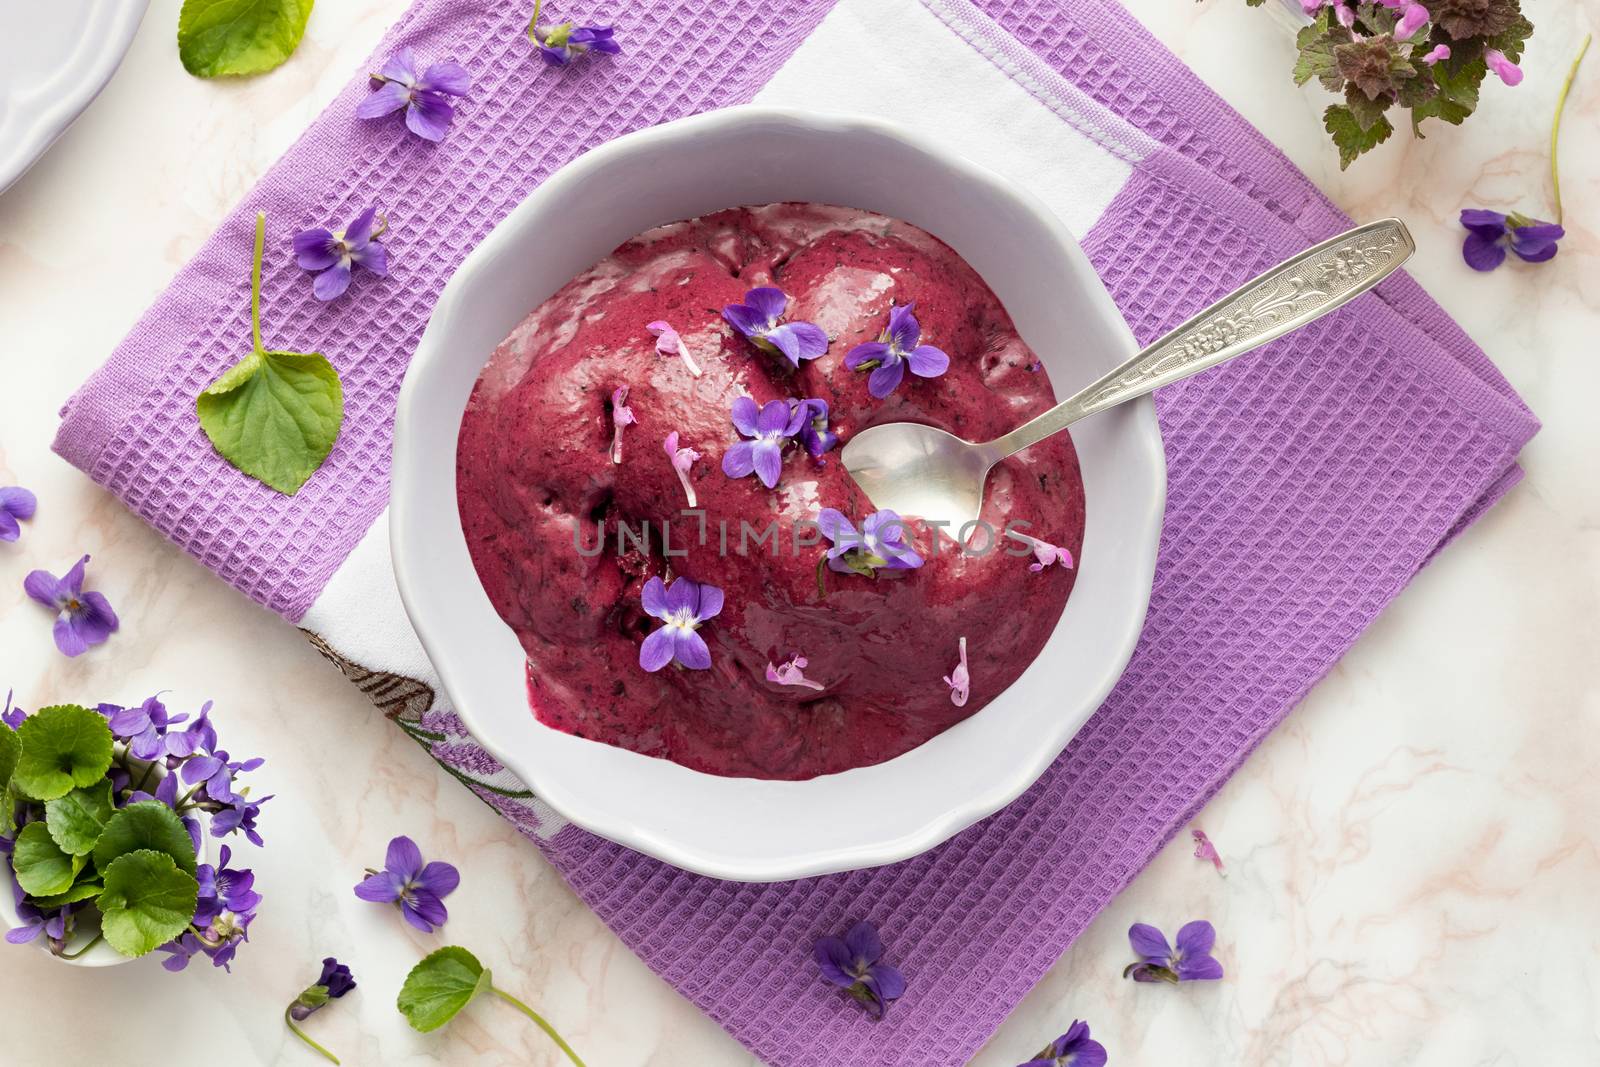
(1285, 298)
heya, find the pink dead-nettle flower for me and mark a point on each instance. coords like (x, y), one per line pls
(959, 681)
(669, 343)
(682, 459)
(621, 415)
(792, 672)
(1440, 51)
(1044, 553)
(1509, 72)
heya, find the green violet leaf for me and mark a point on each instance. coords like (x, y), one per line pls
(147, 901)
(274, 415)
(10, 748)
(235, 37)
(438, 987)
(42, 868)
(63, 747)
(86, 890)
(148, 826)
(76, 820)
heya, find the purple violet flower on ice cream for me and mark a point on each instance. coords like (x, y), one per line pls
(814, 434)
(1075, 1048)
(82, 619)
(897, 348)
(16, 504)
(1191, 961)
(419, 889)
(770, 427)
(682, 607)
(879, 543)
(331, 255)
(758, 319)
(426, 98)
(852, 962)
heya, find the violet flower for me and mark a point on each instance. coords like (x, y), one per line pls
(16, 504)
(1508, 71)
(1191, 961)
(757, 318)
(559, 45)
(852, 963)
(670, 343)
(896, 349)
(11, 716)
(1489, 234)
(180, 950)
(879, 543)
(1075, 1048)
(792, 672)
(332, 254)
(621, 415)
(770, 427)
(216, 771)
(426, 99)
(960, 679)
(240, 816)
(53, 925)
(682, 459)
(144, 728)
(82, 619)
(223, 888)
(814, 433)
(418, 889)
(334, 982)
(1044, 553)
(682, 607)
(220, 938)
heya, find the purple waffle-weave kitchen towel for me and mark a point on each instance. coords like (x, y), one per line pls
(1307, 484)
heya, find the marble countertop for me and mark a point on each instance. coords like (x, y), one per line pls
(1412, 857)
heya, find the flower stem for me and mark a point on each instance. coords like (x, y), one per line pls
(92, 942)
(1555, 127)
(185, 798)
(539, 1019)
(255, 281)
(303, 1036)
(144, 779)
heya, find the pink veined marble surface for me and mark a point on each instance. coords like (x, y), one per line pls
(1412, 856)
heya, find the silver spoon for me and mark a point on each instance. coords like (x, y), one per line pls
(920, 470)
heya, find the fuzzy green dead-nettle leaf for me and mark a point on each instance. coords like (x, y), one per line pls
(218, 38)
(273, 415)
(1350, 136)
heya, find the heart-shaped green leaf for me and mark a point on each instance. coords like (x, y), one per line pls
(80, 891)
(63, 747)
(42, 868)
(275, 416)
(75, 820)
(148, 825)
(10, 747)
(147, 901)
(438, 987)
(223, 37)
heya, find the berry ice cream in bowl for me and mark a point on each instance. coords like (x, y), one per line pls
(623, 531)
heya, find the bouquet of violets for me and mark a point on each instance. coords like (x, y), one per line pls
(1429, 57)
(100, 822)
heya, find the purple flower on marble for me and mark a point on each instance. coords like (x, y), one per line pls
(331, 255)
(879, 543)
(334, 982)
(1075, 1048)
(815, 436)
(1508, 71)
(854, 963)
(559, 45)
(223, 888)
(792, 672)
(1191, 961)
(144, 728)
(898, 347)
(1438, 53)
(769, 428)
(419, 889)
(425, 98)
(82, 619)
(621, 415)
(670, 343)
(16, 505)
(960, 679)
(758, 318)
(1044, 553)
(1489, 234)
(682, 459)
(682, 607)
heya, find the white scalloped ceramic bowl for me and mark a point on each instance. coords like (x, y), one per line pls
(743, 828)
